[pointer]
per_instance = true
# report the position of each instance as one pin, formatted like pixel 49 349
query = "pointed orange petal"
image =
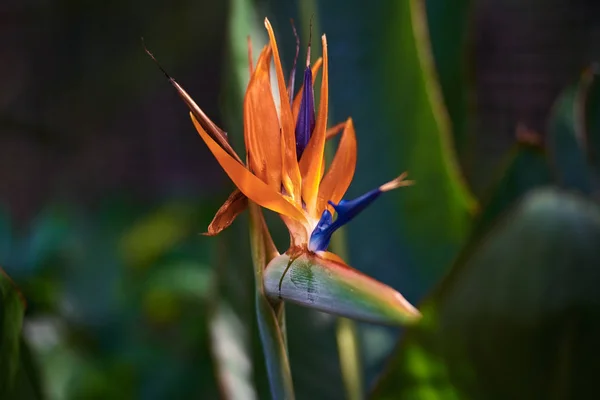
pixel 291 173
pixel 298 99
pixel 311 163
pixel 235 204
pixel 261 125
pixel 337 179
pixel 249 184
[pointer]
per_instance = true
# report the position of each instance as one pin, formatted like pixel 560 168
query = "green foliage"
pixel 449 25
pixel 12 308
pixel 567 141
pixel 517 314
pixel 517 317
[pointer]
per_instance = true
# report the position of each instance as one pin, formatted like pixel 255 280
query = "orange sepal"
pixel 261 125
pixel 312 163
pixel 291 173
pixel 249 184
pixel 339 175
pixel 235 204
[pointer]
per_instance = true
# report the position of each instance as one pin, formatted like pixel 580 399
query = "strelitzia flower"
pixel 285 172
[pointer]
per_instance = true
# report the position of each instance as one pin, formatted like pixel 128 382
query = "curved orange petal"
pixel 250 185
pixel 261 125
pixel 339 175
pixel 311 163
pixel 291 173
pixel 235 204
pixel 298 99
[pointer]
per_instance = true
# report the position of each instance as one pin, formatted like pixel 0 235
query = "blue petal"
pixel 320 237
pixel 306 115
pixel 346 210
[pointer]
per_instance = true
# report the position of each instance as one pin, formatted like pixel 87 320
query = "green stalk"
pixel 269 320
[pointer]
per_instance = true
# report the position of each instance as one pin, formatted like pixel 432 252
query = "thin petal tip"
pixel 396 183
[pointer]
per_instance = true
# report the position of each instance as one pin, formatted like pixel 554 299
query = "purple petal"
pixel 306 115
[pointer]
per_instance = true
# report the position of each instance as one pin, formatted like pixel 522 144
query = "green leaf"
pixel 12 309
pixel 526 169
pixel 592 117
pixel 382 74
pixel 567 141
pixel 156 233
pixel 449 26
pixel 519 317
pixel 28 383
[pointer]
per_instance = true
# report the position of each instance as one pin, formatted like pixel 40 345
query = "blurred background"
pixel 105 186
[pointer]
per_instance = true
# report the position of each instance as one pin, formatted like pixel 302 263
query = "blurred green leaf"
pixel 120 322
pixel 384 51
pixel 449 25
pixel 382 74
pixel 48 233
pixel 12 309
pixel 28 382
pixel 5 237
pixel 156 233
pixel 437 212
pixel 592 116
pixel 519 318
pixel 566 139
pixel 526 169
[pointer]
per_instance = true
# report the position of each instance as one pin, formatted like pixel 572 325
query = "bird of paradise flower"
pixel 285 173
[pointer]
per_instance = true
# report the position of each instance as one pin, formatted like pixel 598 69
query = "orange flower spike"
pixel 306 198
pixel 291 173
pixel 261 125
pixel 311 163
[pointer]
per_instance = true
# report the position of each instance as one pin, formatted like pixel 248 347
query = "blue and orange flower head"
pixel 285 167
